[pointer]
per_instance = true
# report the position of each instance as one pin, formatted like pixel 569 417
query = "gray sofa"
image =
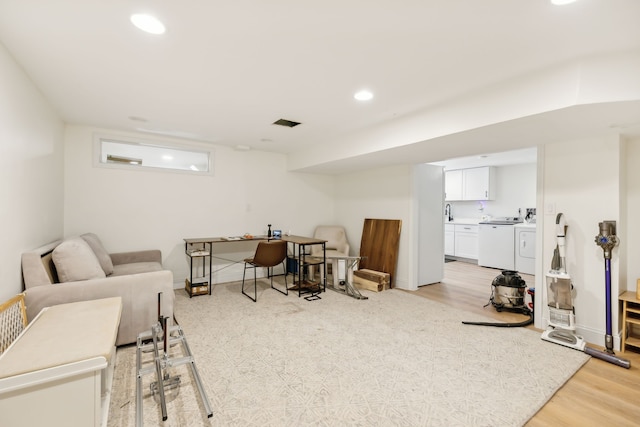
pixel 79 269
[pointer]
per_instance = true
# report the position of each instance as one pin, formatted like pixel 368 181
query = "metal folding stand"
pixel 349 289
pixel 159 339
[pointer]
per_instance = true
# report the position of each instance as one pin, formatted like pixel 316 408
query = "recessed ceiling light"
pixel 363 95
pixel 148 23
pixel 561 2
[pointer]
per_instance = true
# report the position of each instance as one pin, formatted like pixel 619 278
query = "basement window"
pixel 130 154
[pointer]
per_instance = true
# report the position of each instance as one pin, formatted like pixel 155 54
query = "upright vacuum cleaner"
pixel 559 296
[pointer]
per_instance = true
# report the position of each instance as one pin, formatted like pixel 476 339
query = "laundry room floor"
pixel 600 393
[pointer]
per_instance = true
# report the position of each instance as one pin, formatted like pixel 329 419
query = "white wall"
pixel 31 171
pixel 515 188
pixel 582 179
pixel 632 215
pixel 383 193
pixel 426 257
pixel 141 209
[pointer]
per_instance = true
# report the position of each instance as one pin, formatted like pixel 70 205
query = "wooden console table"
pixel 59 369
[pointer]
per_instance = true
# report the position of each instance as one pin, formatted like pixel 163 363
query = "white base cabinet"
pixel 466 241
pixel 449 240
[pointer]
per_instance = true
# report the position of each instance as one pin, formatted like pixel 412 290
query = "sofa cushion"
pixel 103 256
pixel 74 260
pixel 135 268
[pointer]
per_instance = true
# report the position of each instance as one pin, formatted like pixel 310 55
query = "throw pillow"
pixel 74 260
pixel 103 256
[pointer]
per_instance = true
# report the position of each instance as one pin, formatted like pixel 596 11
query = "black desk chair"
pixel 268 254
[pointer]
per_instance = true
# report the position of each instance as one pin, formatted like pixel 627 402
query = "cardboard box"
pixel 196 288
pixel 370 280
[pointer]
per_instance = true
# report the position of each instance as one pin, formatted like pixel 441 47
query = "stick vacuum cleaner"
pixel 559 296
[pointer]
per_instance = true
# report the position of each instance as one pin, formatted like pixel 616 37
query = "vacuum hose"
pixel 523 310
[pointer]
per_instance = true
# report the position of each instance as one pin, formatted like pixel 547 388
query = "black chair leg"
pixel 286 288
pixel 255 289
pixel 254 298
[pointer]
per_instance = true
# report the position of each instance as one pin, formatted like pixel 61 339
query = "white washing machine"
pixel 525 248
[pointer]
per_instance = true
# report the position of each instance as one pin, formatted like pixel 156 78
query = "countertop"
pixel 463 221
pixel 476 221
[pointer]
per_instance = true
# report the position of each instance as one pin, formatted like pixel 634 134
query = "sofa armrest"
pixel 139 294
pixel 152 255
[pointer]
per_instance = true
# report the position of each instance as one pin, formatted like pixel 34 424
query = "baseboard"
pixel 229 273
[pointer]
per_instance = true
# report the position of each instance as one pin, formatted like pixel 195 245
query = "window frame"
pixel 99 157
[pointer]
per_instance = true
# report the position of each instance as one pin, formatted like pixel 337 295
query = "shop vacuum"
pixel 560 299
pixel 507 294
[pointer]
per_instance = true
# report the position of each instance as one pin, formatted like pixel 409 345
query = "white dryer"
pixel 525 248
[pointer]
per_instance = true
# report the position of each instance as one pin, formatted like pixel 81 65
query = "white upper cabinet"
pixel 470 184
pixel 477 184
pixel 453 185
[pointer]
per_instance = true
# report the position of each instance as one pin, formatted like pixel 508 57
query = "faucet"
pixel 447 212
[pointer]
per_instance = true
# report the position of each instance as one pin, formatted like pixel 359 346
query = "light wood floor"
pixel 599 394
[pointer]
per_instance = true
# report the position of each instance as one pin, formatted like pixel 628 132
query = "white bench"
pixel 59 370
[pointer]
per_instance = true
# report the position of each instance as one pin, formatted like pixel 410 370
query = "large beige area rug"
pixel 393 360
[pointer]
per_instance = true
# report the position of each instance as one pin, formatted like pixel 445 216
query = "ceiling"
pixel 512 157
pixel 225 71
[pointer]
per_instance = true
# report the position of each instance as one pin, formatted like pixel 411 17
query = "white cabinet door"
pixel 453 185
pixel 477 184
pixel 449 240
pixel 469 184
pixel 466 241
